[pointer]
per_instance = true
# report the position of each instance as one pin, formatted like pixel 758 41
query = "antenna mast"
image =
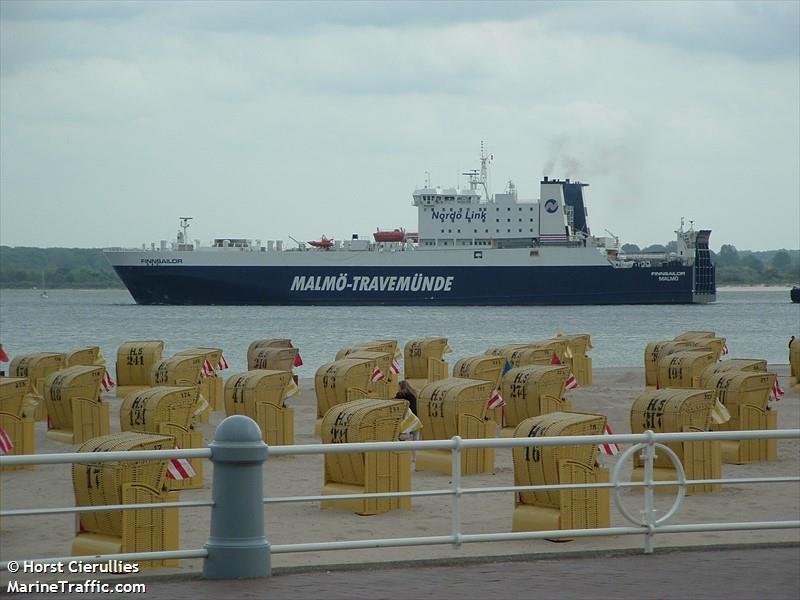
pixel 185 226
pixel 480 178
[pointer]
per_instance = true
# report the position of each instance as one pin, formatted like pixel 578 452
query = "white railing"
pixel 648 525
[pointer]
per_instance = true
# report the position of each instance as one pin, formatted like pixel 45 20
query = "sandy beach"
pixel 612 394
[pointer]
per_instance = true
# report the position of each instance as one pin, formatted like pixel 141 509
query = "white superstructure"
pixel 453 217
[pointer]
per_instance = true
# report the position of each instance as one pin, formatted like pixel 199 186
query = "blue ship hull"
pixel 406 286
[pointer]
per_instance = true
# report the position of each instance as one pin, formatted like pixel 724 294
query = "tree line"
pixel 777 266
pixel 52 268
pixel 22 267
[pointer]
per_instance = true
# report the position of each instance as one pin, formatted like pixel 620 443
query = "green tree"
pixel 753 263
pixel 22 267
pixel 728 255
pixel 781 261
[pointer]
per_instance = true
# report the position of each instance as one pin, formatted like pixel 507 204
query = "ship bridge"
pixel 452 217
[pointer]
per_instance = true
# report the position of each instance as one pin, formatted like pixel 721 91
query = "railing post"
pixel 456 486
pixel 237 546
pixel 649 500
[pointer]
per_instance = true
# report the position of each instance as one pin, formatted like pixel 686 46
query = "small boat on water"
pixel 43 293
pixel 794 294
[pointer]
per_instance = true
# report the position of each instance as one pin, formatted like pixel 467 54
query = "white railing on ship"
pixel 656 256
pixel 648 525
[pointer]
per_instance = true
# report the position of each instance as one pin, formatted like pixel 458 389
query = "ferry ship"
pixel 471 248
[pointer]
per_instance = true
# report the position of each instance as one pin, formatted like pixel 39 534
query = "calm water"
pixel 756 322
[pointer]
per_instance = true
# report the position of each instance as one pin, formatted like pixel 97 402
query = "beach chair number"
pixel 55 388
pixel 93 477
pixel 329 379
pixel 518 388
pixel 435 408
pixel 136 357
pixel 238 390
pixel 137 412
pixel 534 453
pixel 654 414
pixel 339 429
pixel 162 374
pixel 675 370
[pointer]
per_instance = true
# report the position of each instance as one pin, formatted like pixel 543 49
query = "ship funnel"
pixel 573 197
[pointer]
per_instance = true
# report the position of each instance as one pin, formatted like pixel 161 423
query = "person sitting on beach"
pixel 411 425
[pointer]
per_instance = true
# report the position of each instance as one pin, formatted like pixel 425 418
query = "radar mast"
pixel 185 226
pixel 480 178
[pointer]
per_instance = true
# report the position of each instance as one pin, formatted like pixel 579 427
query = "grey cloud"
pixel 753 30
pixel 277 16
pixel 749 30
pixel 57 10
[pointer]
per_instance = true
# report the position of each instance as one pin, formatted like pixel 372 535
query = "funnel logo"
pixel 551 205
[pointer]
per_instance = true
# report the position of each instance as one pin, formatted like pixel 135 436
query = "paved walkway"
pixel 746 573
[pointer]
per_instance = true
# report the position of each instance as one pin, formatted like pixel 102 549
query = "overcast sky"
pixel 265 120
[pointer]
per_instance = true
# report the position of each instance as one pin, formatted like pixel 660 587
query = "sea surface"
pixel 757 323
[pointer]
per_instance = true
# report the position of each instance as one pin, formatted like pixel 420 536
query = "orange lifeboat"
pixel 395 235
pixel 324 243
